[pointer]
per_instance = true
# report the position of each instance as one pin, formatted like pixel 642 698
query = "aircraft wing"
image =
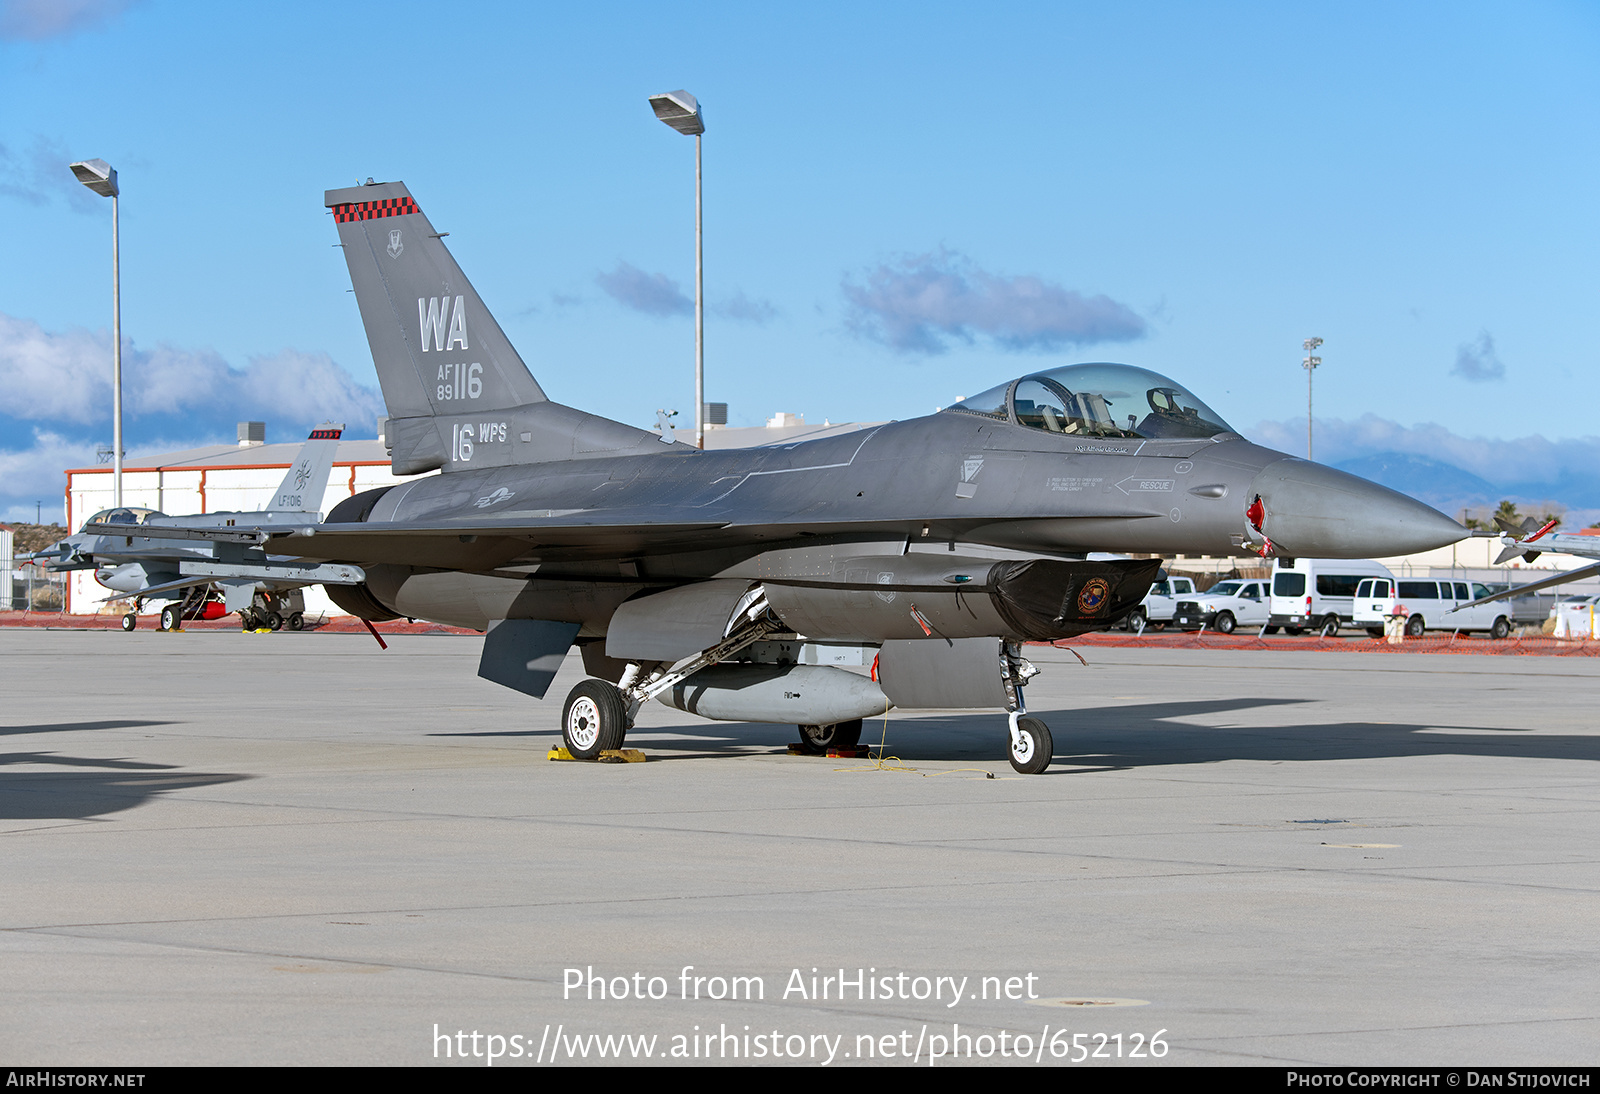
pixel 485 544
pixel 1534 586
pixel 219 534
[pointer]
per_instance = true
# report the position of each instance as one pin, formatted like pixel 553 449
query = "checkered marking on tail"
pixel 372 210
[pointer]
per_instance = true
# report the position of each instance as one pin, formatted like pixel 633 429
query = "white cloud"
pixel 37 471
pixel 66 377
pixel 741 308
pixel 36 20
pixel 1477 360
pixel 922 303
pixel 653 294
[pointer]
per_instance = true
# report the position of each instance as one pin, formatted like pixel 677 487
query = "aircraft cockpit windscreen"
pixel 1100 400
pixel 125 515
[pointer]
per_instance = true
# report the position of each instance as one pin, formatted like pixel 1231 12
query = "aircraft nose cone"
pixel 1312 511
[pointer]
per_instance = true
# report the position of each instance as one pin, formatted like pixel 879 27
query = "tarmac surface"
pixel 227 848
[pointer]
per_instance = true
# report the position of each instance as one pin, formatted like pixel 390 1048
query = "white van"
pixel 1430 605
pixel 1317 593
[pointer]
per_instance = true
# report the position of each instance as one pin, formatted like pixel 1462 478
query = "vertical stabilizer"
pixel 459 397
pixel 437 349
pixel 303 487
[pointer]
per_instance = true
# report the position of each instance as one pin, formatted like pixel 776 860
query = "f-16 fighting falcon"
pixel 736 584
pixel 141 554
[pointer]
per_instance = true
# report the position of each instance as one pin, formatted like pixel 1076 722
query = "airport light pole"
pixel 681 111
pixel 101 177
pixel 1309 364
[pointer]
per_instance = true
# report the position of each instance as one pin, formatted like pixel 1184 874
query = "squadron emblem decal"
pixel 395 246
pixel 1094 595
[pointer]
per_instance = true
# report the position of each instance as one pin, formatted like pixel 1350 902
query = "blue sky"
pixel 905 204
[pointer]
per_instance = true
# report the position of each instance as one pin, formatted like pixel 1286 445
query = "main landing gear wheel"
pixel 594 720
pixel 1415 626
pixel 1226 622
pixel 130 621
pixel 170 618
pixel 1032 751
pixel 1330 626
pixel 816 740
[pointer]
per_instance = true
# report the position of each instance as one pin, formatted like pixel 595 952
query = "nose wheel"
pixel 1031 746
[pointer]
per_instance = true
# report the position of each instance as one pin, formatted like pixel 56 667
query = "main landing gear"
pixel 595 719
pixel 817 740
pixel 274 611
pixel 598 715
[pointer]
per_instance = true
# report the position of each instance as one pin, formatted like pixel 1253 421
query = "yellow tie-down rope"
pixel 896 764
pixel 878 763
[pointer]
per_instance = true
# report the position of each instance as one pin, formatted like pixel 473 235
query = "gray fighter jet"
pixel 738 584
pixel 142 554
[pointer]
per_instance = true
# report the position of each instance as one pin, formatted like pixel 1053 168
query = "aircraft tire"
pixel 816 740
pixel 1225 623
pixel 1034 750
pixel 1415 626
pixel 594 719
pixel 130 621
pixel 170 619
pixel 1501 628
pixel 1330 626
pixel 297 622
pixel 274 621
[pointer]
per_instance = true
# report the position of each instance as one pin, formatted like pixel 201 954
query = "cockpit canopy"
pixel 1099 400
pixel 125 515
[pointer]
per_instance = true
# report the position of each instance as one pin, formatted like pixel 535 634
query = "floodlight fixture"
pixel 97 175
pixel 680 110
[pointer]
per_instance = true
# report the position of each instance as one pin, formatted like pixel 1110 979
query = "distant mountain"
pixel 1442 485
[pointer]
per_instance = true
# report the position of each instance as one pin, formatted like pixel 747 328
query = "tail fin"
pixel 307 481
pixel 457 392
